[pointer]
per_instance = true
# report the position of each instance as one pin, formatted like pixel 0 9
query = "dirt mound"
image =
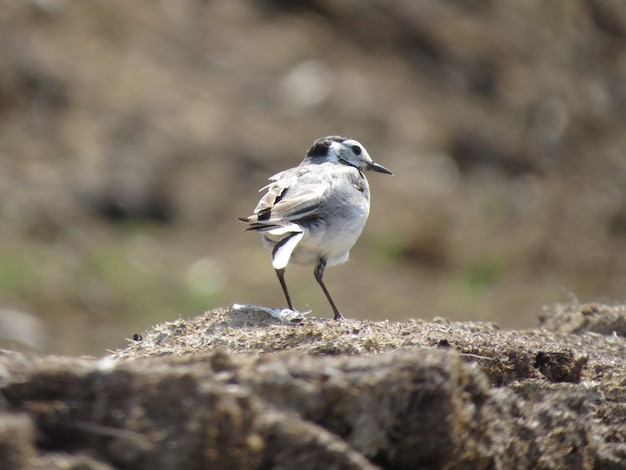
pixel 213 392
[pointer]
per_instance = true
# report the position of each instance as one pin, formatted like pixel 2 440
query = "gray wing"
pixel 289 198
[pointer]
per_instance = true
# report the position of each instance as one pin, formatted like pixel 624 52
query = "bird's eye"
pixel 356 149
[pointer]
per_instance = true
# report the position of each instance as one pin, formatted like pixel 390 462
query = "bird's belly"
pixel 332 242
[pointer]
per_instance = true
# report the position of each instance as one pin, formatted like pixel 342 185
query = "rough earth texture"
pixel 239 389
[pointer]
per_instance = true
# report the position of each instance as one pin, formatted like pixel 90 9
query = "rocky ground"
pixel 240 389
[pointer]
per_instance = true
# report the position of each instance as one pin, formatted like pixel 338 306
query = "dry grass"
pixel 240 389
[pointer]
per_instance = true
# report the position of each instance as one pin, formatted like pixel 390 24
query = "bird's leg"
pixel 319 273
pixel 280 273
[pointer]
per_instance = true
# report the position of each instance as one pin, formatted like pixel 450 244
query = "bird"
pixel 315 212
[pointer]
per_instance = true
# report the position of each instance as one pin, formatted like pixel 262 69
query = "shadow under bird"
pixel 315 212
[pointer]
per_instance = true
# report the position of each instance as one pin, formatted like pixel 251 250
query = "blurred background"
pixel 133 134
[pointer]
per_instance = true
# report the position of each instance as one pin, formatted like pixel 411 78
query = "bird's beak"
pixel 378 168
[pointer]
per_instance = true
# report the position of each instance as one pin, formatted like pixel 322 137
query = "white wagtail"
pixel 315 212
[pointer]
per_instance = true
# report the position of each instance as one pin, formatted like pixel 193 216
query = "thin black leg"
pixel 281 278
pixel 319 273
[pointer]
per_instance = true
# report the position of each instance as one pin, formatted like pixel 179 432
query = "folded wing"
pixel 283 205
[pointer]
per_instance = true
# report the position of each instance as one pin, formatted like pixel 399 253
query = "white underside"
pixel 308 247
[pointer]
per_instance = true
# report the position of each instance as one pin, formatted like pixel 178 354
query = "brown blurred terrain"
pixel 132 135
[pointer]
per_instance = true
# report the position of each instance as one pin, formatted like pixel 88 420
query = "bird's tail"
pixel 283 250
pixel 253 225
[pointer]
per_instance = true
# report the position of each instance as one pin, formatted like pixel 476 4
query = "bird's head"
pixel 344 151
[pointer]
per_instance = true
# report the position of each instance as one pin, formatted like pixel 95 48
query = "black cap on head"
pixel 320 146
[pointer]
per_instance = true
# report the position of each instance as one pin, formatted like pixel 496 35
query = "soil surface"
pixel 240 389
